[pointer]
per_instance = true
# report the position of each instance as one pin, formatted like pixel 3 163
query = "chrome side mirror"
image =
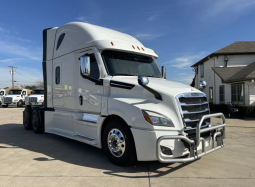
pixel 143 80
pixel 163 72
pixel 85 65
pixel 202 84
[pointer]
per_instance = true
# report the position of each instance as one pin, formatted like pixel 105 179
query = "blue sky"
pixel 180 31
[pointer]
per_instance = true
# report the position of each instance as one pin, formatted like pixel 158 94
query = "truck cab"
pixel 14 97
pixel 104 88
pixel 2 93
pixel 36 98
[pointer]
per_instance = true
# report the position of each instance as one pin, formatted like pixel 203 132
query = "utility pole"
pixel 12 73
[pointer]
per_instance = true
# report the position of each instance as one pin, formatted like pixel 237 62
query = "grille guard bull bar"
pixel 219 134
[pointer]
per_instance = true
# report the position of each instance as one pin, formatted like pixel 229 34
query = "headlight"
pixel 157 119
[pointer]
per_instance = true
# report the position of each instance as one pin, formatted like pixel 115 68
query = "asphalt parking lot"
pixel 28 159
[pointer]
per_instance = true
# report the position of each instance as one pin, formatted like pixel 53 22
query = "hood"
pixel 12 96
pixel 160 85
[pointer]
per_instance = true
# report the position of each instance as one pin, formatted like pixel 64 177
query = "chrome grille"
pixel 192 107
pixel 8 100
pixel 33 99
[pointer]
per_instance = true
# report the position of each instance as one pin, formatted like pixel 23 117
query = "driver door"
pixel 89 92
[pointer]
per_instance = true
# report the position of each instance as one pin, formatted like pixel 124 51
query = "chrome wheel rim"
pixel 116 142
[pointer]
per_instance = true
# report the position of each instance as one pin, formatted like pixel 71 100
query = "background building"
pixel 229 73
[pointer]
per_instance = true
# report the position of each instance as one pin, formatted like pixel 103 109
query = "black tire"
pixel 129 155
pixel 37 122
pixel 4 106
pixel 20 103
pixel 27 113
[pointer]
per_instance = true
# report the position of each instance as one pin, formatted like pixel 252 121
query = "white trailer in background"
pixel 36 98
pixel 2 93
pixel 14 97
pixel 104 88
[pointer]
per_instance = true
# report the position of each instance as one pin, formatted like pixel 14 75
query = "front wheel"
pixel 20 103
pixel 118 143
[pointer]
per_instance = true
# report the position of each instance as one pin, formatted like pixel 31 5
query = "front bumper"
pixel 34 103
pixel 218 136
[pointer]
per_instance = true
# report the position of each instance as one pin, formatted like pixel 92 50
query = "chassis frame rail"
pixel 218 136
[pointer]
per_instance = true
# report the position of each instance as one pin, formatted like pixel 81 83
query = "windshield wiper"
pixel 123 74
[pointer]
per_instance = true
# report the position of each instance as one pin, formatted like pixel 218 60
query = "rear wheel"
pixel 37 121
pixel 118 143
pixel 27 113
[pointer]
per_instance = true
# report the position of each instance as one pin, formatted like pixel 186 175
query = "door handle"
pixel 81 100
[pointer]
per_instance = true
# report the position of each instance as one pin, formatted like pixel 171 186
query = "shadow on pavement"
pixel 74 152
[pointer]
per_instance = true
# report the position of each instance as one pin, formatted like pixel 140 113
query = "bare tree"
pixel 39 83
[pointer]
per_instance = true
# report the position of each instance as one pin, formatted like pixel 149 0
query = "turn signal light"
pixel 147 117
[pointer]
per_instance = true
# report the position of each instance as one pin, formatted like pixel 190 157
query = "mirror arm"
pixel 154 92
pixel 96 81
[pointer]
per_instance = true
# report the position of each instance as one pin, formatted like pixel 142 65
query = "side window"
pixel 202 70
pixel 222 94
pixel 60 39
pixel 94 70
pixel 57 75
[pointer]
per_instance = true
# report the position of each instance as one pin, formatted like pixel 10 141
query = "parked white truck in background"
pixel 14 97
pixel 119 100
pixel 36 98
pixel 2 93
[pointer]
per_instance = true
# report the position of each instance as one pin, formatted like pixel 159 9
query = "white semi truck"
pixel 2 93
pixel 36 98
pixel 119 100
pixel 14 97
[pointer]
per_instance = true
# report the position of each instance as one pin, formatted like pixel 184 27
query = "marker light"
pixel 142 49
pixel 147 117
pixel 112 43
pixel 138 48
pixel 133 46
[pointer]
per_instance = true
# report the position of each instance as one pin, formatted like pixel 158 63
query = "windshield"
pixel 37 92
pixel 2 93
pixel 14 92
pixel 122 63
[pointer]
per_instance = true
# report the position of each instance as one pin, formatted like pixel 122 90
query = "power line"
pixel 25 76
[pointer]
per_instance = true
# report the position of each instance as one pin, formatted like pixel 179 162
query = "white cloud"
pixel 82 18
pixel 2 30
pixel 147 36
pixel 153 17
pixel 7 47
pixel 227 6
pixel 11 60
pixel 184 78
pixel 185 61
pixel 17 38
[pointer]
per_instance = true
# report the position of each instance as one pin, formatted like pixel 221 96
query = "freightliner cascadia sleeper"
pixel 104 88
